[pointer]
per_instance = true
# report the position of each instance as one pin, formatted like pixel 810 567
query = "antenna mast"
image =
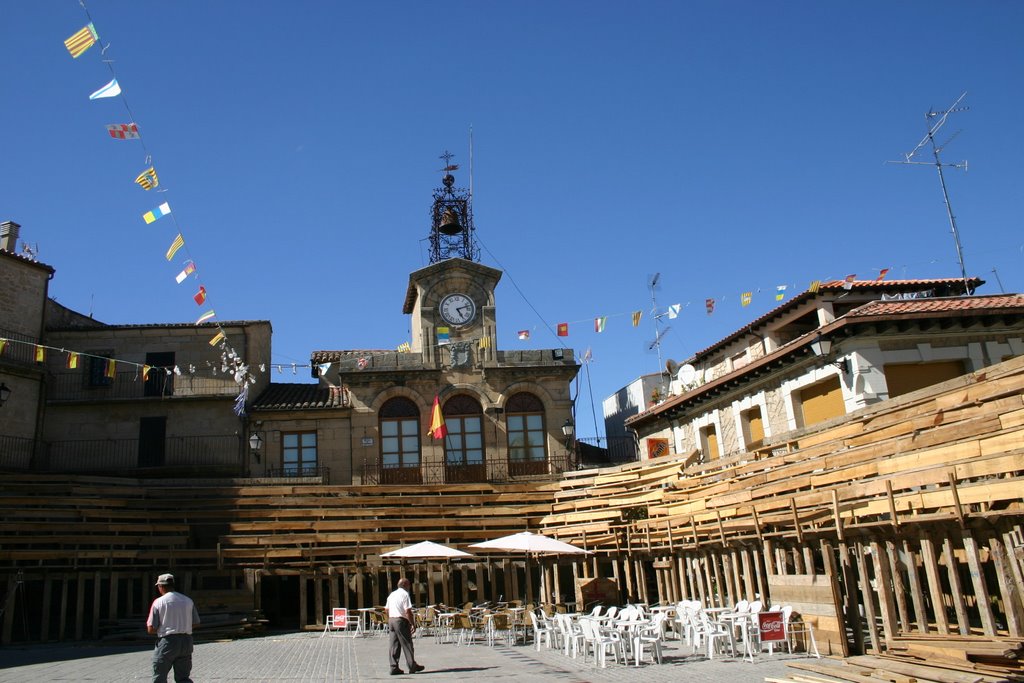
pixel 658 332
pixel 929 138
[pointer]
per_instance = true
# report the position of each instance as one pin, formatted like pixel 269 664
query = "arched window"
pixel 400 442
pixel 464 445
pixel 527 437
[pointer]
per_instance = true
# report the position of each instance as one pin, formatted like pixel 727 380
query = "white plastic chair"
pixel 541 631
pixel 651 635
pixel 600 641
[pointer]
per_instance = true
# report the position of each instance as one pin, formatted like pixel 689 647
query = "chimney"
pixel 8 236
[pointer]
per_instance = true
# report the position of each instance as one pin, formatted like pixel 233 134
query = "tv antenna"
pixel 652 284
pixel 937 120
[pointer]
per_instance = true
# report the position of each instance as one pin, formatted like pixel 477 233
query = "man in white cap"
pixel 171 618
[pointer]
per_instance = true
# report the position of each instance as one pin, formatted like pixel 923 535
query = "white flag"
pixel 673 310
pixel 111 89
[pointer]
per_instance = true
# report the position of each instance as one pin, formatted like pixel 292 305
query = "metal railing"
pixel 16 452
pixel 119 455
pixel 607 450
pixel 21 353
pixel 321 472
pixel 128 384
pixel 488 471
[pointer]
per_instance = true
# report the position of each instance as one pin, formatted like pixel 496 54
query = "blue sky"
pixel 729 146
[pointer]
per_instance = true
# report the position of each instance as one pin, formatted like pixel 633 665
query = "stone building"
pixel 367 421
pixel 826 354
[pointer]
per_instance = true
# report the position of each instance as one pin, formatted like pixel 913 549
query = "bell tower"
pixel 451 219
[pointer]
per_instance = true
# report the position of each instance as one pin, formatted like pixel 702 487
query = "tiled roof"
pixel 27 260
pixel 301 397
pixel 839 285
pixel 143 326
pixel 925 308
pixel 335 356
pixel 989 304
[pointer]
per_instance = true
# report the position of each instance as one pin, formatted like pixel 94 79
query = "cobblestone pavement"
pixel 307 657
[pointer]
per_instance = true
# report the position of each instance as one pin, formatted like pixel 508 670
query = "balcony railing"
pixel 490 471
pixel 321 473
pixel 15 352
pixel 118 455
pixel 128 384
pixel 16 452
pixel 610 450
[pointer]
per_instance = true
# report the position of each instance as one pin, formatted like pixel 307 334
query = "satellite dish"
pixel 671 367
pixel 687 373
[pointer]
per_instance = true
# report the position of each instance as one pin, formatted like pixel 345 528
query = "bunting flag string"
pixel 148 179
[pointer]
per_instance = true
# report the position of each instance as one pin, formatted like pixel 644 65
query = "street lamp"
pixel 822 347
pixel 568 431
pixel 5 393
pixel 255 442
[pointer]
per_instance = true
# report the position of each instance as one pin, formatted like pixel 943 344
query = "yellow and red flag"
pixel 438 429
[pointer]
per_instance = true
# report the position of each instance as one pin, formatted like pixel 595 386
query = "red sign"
pixel 339 616
pixel 657 447
pixel 773 628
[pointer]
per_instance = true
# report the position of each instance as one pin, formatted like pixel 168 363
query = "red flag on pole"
pixel 438 429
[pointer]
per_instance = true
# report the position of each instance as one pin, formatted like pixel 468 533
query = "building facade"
pixel 826 354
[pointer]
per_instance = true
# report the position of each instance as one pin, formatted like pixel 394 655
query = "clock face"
pixel 457 309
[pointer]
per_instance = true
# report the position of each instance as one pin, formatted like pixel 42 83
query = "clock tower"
pixel 452 300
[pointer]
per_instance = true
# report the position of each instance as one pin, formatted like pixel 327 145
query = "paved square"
pixel 308 657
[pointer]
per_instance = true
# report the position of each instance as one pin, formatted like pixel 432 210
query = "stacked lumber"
pixel 898 669
pixel 939 454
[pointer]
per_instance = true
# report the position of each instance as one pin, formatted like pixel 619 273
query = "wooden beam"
pixel 981 594
pixel 867 598
pixel 956 591
pixel 931 571
pixel 1009 591
pixel 883 584
pixel 840 534
pixel 796 521
pixel 956 501
pixel 916 594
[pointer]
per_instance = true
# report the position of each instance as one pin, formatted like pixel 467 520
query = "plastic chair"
pixel 600 642
pixel 541 631
pixel 651 635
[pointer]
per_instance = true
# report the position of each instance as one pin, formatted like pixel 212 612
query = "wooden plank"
pixel 1008 589
pixel 892 555
pixel 867 598
pixel 955 587
pixel 981 594
pixel 909 561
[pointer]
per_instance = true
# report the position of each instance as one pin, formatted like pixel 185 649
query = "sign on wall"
pixel 657 447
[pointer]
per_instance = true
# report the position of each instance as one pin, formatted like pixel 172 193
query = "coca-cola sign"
pixel 772 626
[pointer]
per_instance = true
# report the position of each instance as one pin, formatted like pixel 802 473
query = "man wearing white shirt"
pixel 403 624
pixel 171 617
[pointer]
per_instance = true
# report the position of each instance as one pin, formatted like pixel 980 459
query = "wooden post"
pixel 916 594
pixel 867 597
pixel 769 556
pixel 720 587
pixel 796 524
pixel 1008 588
pixel 44 627
pixel 897 583
pixel 80 608
pixel 956 501
pixel 931 572
pixel 851 605
pixel 750 587
pixel 956 590
pixel 303 617
pixel 892 504
pixel 318 598
pixel 884 586
pixel 840 533
pixel 981 594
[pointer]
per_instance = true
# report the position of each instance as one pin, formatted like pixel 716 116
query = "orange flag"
pixel 438 429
